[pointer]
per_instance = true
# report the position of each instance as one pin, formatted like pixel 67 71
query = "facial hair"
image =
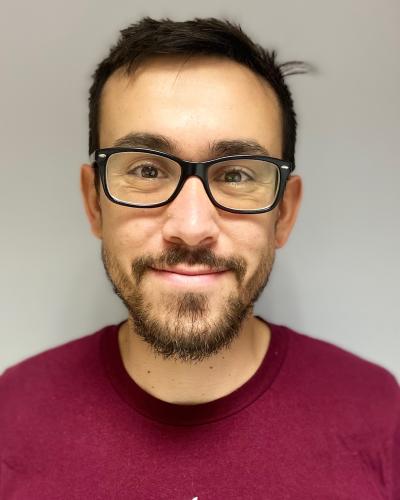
pixel 185 332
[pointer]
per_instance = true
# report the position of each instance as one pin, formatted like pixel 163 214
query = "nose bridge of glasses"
pixel 193 169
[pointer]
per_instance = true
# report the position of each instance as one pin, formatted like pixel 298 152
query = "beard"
pixel 182 325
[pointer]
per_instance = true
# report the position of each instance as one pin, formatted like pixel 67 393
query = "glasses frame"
pixel 100 157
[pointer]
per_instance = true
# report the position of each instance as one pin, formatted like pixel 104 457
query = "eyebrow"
pixel 216 148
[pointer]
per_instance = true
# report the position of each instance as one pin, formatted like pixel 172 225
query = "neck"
pixel 178 382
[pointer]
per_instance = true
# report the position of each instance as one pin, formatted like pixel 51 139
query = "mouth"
pixel 182 275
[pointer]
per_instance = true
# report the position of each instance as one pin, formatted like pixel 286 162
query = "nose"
pixel 191 218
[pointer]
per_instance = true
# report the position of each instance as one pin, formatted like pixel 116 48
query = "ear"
pixel 91 199
pixel 288 209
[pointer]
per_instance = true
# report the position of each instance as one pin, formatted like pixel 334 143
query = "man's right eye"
pixel 146 171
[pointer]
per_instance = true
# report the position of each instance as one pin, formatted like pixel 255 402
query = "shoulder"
pixel 42 394
pixel 342 379
pixel 337 362
pixel 51 369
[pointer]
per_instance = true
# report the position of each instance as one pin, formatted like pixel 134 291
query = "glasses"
pixel 145 178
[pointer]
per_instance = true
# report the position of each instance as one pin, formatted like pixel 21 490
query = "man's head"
pixel 197 90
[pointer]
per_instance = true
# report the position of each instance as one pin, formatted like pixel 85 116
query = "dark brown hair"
pixel 149 37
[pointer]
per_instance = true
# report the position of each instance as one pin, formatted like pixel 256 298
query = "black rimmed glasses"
pixel 146 178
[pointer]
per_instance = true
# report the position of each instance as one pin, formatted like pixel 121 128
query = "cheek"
pixel 128 235
pixel 254 232
pixel 253 240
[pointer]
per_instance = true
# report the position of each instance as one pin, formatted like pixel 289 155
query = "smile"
pixel 189 276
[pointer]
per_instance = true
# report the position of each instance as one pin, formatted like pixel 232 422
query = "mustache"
pixel 189 256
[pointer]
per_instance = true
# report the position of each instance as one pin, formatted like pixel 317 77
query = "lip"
pixel 189 271
pixel 188 276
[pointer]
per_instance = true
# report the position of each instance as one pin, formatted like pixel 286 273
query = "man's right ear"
pixel 91 199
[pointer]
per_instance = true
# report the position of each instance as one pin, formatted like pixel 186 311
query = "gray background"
pixel 337 279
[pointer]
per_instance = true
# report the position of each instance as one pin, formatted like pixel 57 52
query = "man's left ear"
pixel 288 209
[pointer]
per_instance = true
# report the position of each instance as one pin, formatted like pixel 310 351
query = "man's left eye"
pixel 236 176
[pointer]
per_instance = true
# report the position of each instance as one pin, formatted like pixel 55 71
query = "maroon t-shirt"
pixel 314 422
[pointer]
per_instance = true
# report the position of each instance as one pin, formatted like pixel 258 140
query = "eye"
pixel 235 176
pixel 146 171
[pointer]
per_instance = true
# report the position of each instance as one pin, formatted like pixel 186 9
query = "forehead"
pixel 193 101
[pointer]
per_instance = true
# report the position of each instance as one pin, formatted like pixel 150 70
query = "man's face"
pixel 194 104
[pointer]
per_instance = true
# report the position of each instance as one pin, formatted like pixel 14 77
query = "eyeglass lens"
pixel 145 179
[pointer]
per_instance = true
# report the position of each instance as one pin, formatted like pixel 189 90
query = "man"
pixel 191 190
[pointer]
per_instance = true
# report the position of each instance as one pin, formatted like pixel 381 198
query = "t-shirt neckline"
pixel 203 413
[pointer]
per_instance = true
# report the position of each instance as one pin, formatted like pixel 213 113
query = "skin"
pixel 192 102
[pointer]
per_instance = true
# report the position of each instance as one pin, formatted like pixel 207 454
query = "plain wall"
pixel 338 277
